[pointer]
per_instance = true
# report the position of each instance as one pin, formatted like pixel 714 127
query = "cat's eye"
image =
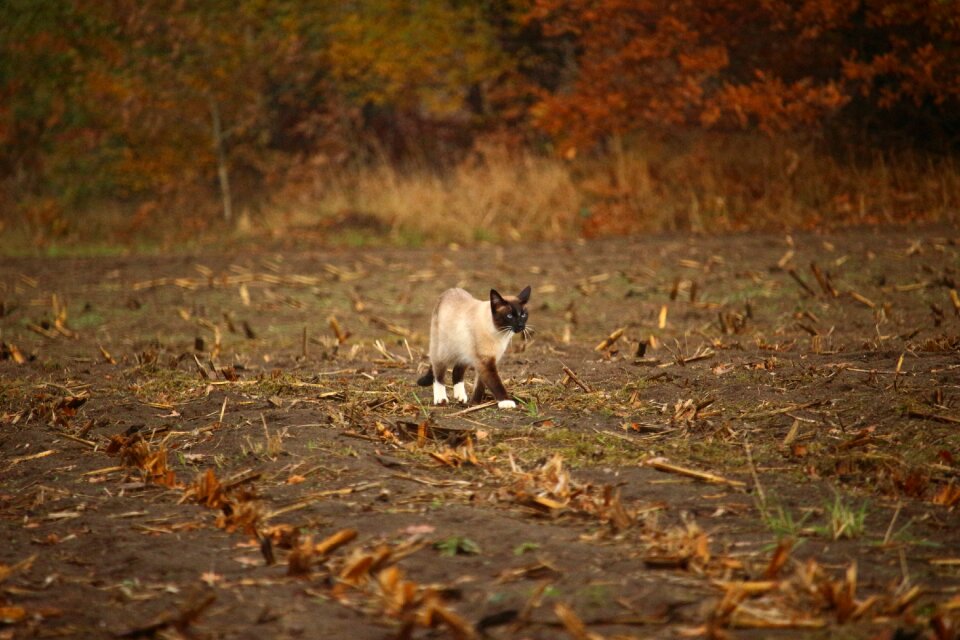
pixel 509 316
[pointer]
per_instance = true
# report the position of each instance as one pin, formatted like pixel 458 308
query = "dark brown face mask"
pixel 509 313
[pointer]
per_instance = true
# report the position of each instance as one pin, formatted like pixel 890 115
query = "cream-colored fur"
pixel 468 333
pixel 463 334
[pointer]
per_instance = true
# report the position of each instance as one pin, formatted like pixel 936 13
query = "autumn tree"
pixel 46 126
pixel 195 92
pixel 772 65
pixel 148 101
pixel 413 66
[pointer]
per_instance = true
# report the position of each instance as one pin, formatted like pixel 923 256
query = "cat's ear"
pixel 524 296
pixel 496 300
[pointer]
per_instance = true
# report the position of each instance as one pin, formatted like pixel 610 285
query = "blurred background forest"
pixel 159 122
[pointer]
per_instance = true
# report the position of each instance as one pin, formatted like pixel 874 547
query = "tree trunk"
pixel 222 172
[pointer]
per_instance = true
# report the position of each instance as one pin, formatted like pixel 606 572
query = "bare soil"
pixel 232 445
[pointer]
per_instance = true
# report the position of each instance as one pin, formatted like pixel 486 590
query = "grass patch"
pixel 457 545
pixel 583 448
pixel 525 547
pixel 162 385
pixel 843 520
pixel 530 407
pixel 780 520
pixel 87 320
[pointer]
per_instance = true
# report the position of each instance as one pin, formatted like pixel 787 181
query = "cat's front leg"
pixel 439 391
pixel 459 388
pixel 487 373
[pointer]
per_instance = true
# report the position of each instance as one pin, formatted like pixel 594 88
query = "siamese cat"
pixel 466 332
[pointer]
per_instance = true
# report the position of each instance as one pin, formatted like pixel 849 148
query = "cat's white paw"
pixel 506 404
pixel 439 393
pixel 460 392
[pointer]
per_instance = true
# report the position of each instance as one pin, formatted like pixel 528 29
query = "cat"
pixel 466 332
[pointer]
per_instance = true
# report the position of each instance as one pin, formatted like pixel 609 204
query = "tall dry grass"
pixel 491 196
pixel 708 183
pixel 702 183
pixel 735 182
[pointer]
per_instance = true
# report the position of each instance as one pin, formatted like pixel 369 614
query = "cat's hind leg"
pixel 439 391
pixel 459 388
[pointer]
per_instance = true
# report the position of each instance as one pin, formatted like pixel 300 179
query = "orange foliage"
pixel 640 64
pixel 773 65
pixel 157 100
pixel 137 453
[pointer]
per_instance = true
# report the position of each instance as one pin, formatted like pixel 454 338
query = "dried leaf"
pixel 620 519
pixel 109 359
pixel 332 543
pixel 779 558
pixel 206 490
pixel 948 495
pixel 12 614
pixel 243 516
pixel 210 578
pixel 607 342
pixel 573 624
pixel 460 628
pixel 338 331
pixel 284 536
pixel 10 350
pixel 300 561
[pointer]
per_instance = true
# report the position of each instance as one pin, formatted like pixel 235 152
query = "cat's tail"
pixel 426 379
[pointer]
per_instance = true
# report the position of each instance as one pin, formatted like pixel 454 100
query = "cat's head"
pixel 509 312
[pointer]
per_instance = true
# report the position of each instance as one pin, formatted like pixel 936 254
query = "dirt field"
pixel 232 445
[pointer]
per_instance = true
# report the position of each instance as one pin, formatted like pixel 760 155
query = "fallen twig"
pixel 867 302
pixel 32 456
pixel 610 339
pixel 776 412
pixel 576 379
pixel 86 443
pixel 104 470
pixel 823 281
pixel 313 497
pixel 476 407
pixel 937 417
pixel 753 474
pixel 660 464
pixel 793 274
